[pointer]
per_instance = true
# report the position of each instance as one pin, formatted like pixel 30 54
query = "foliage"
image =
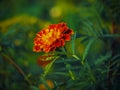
pixel 91 60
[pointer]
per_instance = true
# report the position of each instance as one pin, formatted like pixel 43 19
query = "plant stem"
pixel 11 61
pixel 76 57
pixel 48 67
pixel 68 66
pixel 70 72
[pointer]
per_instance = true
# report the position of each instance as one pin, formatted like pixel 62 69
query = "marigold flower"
pixel 52 37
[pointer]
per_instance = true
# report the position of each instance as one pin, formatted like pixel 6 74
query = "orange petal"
pixel 52 48
pixel 44 60
pixel 46 49
pixel 37 41
pixel 43 63
pixel 49 83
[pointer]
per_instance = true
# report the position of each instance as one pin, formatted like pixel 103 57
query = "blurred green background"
pixel 20 20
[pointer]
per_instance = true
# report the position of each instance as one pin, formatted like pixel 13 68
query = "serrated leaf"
pixel 102 59
pixel 91 30
pixel 115 59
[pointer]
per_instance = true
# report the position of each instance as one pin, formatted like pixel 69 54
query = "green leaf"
pixel 76 57
pixel 85 39
pixel 115 60
pixel 73 43
pixel 60 73
pixel 115 57
pixel 104 58
pixel 0 48
pixel 34 88
pixel 68 67
pixel 111 35
pixel 87 49
pixel 90 72
pixel 91 30
pixel 48 67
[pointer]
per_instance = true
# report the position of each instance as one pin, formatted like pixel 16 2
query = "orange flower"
pixel 52 37
pixel 49 83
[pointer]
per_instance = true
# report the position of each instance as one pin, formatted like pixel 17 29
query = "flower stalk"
pixel 11 61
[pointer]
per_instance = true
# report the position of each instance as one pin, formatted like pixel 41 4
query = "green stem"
pixel 76 57
pixel 48 67
pixel 91 73
pixel 70 72
pixel 68 67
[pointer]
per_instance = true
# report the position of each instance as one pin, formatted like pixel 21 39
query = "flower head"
pixel 52 37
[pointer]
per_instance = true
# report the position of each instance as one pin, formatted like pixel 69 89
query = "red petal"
pixel 60 32
pixel 57 43
pixel 67 37
pixel 62 42
pixel 36 49
pixel 53 49
pixel 52 26
pixel 69 31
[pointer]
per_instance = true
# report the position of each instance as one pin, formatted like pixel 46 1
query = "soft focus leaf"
pixel 87 49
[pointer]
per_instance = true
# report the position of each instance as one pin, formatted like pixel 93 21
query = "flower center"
pixel 50 36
